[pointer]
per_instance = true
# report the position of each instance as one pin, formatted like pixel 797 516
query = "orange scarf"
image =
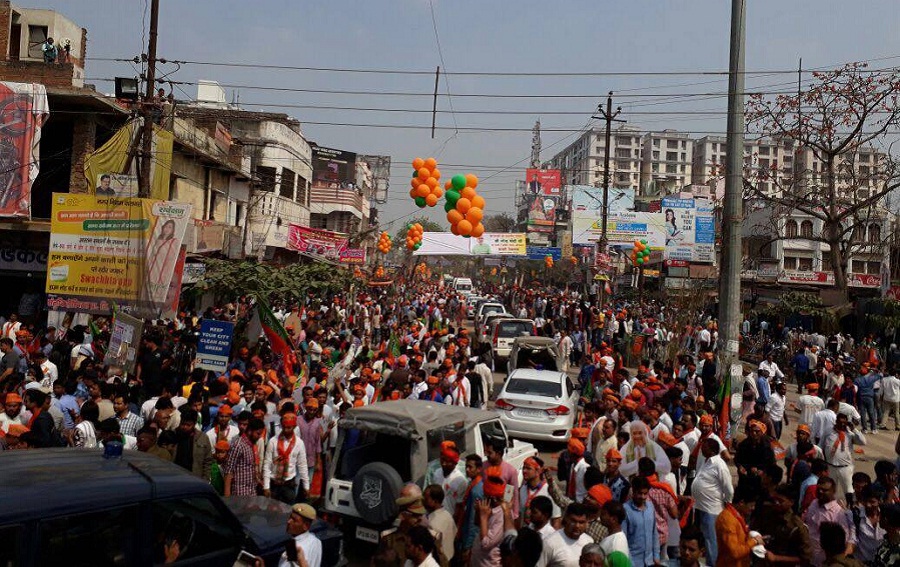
pixel 284 455
pixel 655 483
pixel 34 417
pixel 839 442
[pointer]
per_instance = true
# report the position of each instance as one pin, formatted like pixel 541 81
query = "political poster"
pixel 123 342
pixel 542 210
pixel 24 109
pixel 543 181
pixel 114 249
pixel 116 185
pixel 355 256
pixel 214 345
pixel 541 252
pixel 112 158
pixel 333 169
pixel 498 244
pixel 690 229
pixel 317 243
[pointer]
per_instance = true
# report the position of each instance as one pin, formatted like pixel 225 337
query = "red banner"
pixel 23 109
pixel 320 244
pixel 543 181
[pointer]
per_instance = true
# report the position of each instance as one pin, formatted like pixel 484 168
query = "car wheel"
pixel 376 487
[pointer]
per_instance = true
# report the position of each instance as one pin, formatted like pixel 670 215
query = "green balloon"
pixel 458 181
pixel 467 236
pixel 640 260
pixel 448 206
pixel 645 252
pixel 415 173
pixel 417 245
pixel 452 197
pixel 420 202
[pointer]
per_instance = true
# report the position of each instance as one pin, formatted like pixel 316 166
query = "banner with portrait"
pixel 23 111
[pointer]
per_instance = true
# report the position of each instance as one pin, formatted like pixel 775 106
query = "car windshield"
pixel 540 359
pixel 492 309
pixel 534 387
pixel 515 328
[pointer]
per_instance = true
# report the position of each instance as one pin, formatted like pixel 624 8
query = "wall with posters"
pixel 316 243
pixel 623 227
pixel 114 249
pixel 588 201
pixel 690 229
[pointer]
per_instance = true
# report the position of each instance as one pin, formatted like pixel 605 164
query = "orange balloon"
pixel 465 227
pixel 437 192
pixel 430 163
pixel 454 228
pixel 414 182
pixel 454 216
pixel 418 163
pixel 468 193
pixel 463 205
pixel 471 180
pixel 447 186
pixel 423 190
pixel 474 215
pixel 478 201
pixel 418 226
pixel 478 230
pixel 432 182
pixel 436 173
pixel 413 194
pixel 431 199
pixel 424 173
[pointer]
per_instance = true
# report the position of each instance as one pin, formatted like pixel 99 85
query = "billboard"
pixel 110 184
pixel 214 346
pixel 690 230
pixel 114 249
pixel 623 227
pixel 542 211
pixel 541 252
pixel 24 109
pixel 333 169
pixel 112 159
pixel 543 181
pixel 316 243
pixel 498 244
pixel 587 199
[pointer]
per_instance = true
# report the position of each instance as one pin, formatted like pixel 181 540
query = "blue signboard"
pixel 214 347
pixel 541 252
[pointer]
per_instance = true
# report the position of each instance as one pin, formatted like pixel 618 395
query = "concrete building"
pixel 22 33
pixel 708 159
pixel 666 163
pixel 583 161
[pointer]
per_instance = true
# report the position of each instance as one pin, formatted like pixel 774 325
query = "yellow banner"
pixel 105 167
pixel 114 248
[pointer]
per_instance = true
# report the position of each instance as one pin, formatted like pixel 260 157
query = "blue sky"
pixel 483 36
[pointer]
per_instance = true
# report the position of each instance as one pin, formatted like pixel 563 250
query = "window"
pixel 859 234
pixel 873 268
pixel 858 267
pixel 655 155
pixel 37 35
pixel 683 144
pixel 672 144
pixel 656 143
pixel 655 167
pixel 804 264
pixel 600 150
pixel 790 229
pixel 806 229
pixel 826 264
pixel 302 191
pixel 790 263
pixel 108 537
pixel 623 153
pixel 683 156
pixel 671 156
pixel 539 388
pixel 198 526
pixel 288 180
pixel 874 233
pixel 266 178
pixel 763 151
pixel 671 168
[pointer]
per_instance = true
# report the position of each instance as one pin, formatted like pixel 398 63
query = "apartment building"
pixel 583 162
pixel 666 163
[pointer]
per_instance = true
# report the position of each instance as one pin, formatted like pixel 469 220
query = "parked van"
pixel 463 285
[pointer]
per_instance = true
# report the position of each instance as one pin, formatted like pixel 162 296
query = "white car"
pixel 502 332
pixel 471 302
pixel 538 404
pixel 485 309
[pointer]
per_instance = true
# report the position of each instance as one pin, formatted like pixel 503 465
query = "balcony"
pixel 324 201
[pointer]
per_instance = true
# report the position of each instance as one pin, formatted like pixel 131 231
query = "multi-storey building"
pixel 666 163
pixel 583 161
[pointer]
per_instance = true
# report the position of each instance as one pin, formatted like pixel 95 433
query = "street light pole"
pixel 609 117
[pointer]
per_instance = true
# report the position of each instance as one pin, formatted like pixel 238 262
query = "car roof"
pixel 38 483
pixel 515 319
pixel 539 375
pixel 411 418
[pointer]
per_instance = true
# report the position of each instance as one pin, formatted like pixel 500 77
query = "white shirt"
pixel 562 551
pixel 712 487
pixel 581 467
pixel 10 330
pixel 525 491
pixel 545 531
pixel 809 406
pixel 297 463
pixel 841 454
pixel 615 542
pixel 772 367
pixel 442 522
pixel 776 407
pixel 890 385
pixel 430 561
pixel 231 433
pixel 454 486
pixel 703 336
pixel 823 424
pixel 311 548
pixel 51 373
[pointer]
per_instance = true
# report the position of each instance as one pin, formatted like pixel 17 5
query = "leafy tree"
pixel 501 222
pixel 228 279
pixel 840 113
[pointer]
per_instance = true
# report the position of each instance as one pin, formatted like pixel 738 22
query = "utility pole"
pixel 146 108
pixel 732 214
pixel 609 117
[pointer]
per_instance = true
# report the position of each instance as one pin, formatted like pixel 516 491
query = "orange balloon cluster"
pixel 574 260
pixel 384 243
pixel 414 236
pixel 465 207
pixel 357 273
pixel 379 272
pixel 426 182
pixel 548 261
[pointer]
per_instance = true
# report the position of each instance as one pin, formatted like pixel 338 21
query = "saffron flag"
pixel 277 336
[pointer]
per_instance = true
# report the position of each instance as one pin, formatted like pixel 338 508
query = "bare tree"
pixel 839 115
pixel 502 222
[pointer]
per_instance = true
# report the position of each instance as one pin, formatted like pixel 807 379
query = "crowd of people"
pixel 653 472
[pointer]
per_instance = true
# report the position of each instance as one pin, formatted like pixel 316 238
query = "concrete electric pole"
pixel 609 117
pixel 732 213
pixel 149 103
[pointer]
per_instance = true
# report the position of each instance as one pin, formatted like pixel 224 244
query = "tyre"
pixel 376 487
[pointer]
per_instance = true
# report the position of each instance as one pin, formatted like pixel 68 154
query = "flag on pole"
pixel 277 336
